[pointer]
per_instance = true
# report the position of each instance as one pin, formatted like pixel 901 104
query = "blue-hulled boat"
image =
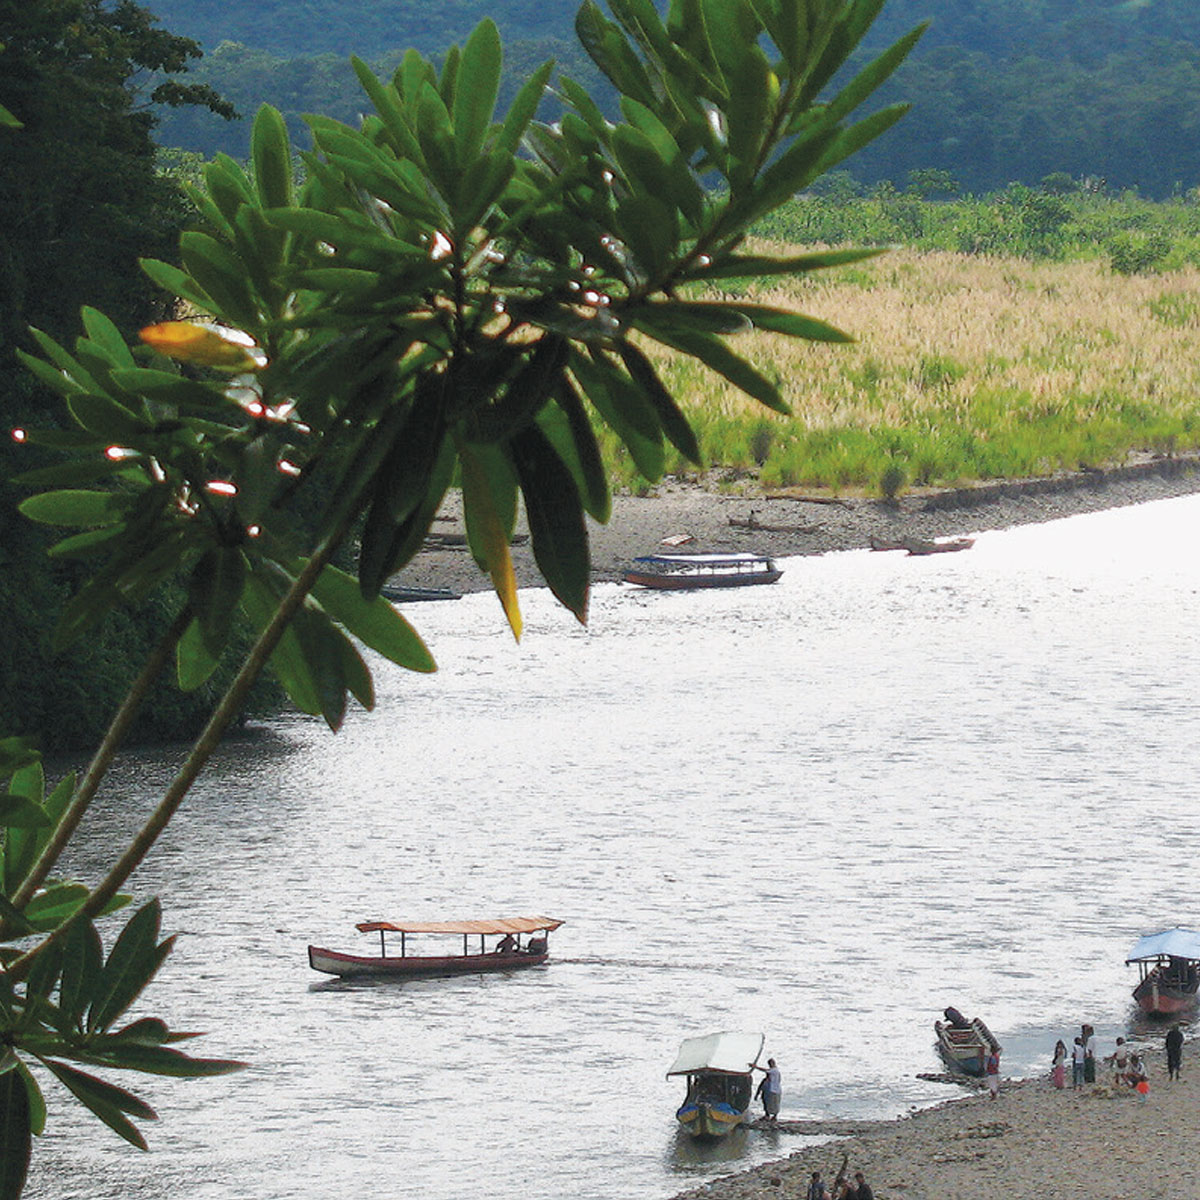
pixel 720 1087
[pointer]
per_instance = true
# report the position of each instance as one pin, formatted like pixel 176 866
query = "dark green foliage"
pixel 1003 90
pixel 82 201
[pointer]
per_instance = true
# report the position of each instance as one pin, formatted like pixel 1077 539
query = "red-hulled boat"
pixel 688 572
pixel 507 954
pixel 1169 966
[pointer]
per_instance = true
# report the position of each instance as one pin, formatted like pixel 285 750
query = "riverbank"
pixel 1102 1143
pixel 719 513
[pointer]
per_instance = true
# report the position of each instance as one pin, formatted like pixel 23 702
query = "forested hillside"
pixel 1003 90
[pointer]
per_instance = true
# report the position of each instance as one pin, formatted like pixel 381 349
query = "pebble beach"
pixel 726 513
pixel 1100 1143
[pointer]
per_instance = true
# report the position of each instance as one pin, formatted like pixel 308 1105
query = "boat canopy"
pixel 503 925
pixel 1171 943
pixel 725 1053
pixel 704 560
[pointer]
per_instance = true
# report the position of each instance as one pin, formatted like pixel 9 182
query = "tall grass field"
pixel 965 367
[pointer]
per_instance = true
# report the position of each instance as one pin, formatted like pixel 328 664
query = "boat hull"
pixel 1163 1000
pixel 333 962
pixel 965 1049
pixel 709 1120
pixel 691 583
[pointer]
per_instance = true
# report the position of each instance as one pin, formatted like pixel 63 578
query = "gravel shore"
pixel 724 514
pixel 1034 1142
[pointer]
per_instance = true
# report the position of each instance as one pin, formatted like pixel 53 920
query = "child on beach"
pixel 1058 1071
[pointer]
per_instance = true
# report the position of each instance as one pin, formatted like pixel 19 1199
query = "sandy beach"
pixel 1101 1143
pixel 719 512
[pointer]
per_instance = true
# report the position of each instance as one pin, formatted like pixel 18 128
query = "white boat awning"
pixel 1171 943
pixel 731 1053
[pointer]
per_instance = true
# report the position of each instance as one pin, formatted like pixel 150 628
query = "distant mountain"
pixel 1002 90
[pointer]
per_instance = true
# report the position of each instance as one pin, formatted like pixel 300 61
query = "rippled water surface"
pixel 823 810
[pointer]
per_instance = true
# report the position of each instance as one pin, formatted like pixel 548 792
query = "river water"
pixel 822 810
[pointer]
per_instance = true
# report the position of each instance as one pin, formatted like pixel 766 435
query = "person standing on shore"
pixel 1089 1054
pixel 863 1189
pixel 1174 1051
pixel 770 1090
pixel 1058 1070
pixel 1078 1057
pixel 816 1188
pixel 1120 1061
pixel 991 1070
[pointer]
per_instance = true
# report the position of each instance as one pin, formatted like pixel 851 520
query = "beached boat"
pixel 508 954
pixel 964 1044
pixel 1169 971
pixel 686 572
pixel 399 593
pixel 922 546
pixel 719 1081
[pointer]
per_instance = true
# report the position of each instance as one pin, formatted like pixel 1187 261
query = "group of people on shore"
pixel 770 1092
pixel 1129 1068
pixel 844 1188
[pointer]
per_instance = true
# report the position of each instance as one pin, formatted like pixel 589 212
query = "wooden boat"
pixel 686 572
pixel 922 546
pixel 1169 971
pixel 506 955
pixel 964 1044
pixel 720 1084
pixel 400 593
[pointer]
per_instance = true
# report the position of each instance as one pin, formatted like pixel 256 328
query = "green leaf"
pixel 389 108
pixel 15 753
pixel 215 589
pixel 476 89
pixel 523 109
pixel 222 275
pixel 178 283
pixel 489 492
pixel 675 424
pixel 132 963
pixel 74 507
pixel 756 266
pixel 711 351
pixel 626 411
pixel 162 1060
pixel 106 418
pixel 567 426
pixel 16 1134
pixel 49 908
pixel 37 1102
pixel 17 812
pixel 194 665
pixel 83 963
pixel 52 377
pixel 387 544
pixel 873 75
pixel 287 659
pixel 272 158
pixel 375 623
pixel 556 523
pixel 105 1100
pixel 71 472
pixel 107 336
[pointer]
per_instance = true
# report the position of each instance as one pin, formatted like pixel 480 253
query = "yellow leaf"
pixel 479 504
pixel 207 345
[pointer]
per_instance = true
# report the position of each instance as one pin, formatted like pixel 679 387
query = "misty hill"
pixel 1002 89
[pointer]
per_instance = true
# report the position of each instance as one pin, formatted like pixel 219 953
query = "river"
pixel 823 810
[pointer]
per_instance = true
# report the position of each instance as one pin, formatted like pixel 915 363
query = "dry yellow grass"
pixel 963 367
pixel 1052 331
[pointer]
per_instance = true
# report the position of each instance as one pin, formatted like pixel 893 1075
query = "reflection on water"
pixel 825 809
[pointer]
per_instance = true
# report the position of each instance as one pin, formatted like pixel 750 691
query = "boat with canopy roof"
pixel 688 572
pixel 1169 969
pixel 719 1083
pixel 506 954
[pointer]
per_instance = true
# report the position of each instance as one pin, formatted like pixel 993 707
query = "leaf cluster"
pixel 67 1010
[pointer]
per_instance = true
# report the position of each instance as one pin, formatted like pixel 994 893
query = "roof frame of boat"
pixel 718 1054
pixel 1170 943
pixel 501 926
